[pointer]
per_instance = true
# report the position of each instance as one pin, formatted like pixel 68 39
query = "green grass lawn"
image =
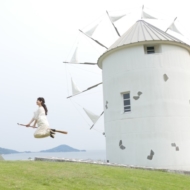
pixel 62 176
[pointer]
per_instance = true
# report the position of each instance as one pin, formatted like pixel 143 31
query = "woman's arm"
pixel 34 126
pixel 32 120
pixel 35 118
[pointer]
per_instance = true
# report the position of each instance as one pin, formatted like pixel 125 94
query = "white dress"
pixel 43 129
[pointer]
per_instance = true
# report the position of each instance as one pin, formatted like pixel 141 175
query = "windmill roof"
pixel 140 32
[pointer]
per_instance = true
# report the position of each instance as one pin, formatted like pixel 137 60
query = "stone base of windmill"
pixel 104 163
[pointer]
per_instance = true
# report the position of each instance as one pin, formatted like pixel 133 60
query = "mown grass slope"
pixel 29 175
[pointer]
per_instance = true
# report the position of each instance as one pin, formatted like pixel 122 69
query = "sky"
pixel 36 36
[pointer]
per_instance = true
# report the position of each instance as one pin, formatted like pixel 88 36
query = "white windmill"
pixel 146 92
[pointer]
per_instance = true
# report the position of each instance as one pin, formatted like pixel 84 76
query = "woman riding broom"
pixel 40 119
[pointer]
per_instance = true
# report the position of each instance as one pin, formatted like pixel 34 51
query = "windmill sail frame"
pixel 89 88
pixel 113 25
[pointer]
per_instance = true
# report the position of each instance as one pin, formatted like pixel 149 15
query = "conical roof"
pixel 143 31
pixel 140 32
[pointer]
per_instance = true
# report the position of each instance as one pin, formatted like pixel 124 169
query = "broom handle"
pixel 25 125
pixel 63 132
pixel 58 131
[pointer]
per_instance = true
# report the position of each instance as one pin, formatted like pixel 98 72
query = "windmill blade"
pixel 94 39
pixel 93 86
pixel 85 90
pixel 97 120
pixel 74 58
pixel 146 16
pixel 84 63
pixel 113 24
pixel 116 18
pixel 94 118
pixel 75 89
pixel 92 30
pixel 173 27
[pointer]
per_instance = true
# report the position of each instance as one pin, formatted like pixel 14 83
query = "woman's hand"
pixel 28 125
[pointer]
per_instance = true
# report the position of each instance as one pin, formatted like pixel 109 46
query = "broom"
pixel 54 130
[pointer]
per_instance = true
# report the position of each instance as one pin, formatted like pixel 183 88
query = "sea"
pixel 88 155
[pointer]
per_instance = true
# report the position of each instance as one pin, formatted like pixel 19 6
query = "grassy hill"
pixel 31 175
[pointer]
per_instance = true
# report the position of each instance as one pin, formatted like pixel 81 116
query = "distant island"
pixel 60 148
pixel 63 148
pixel 7 151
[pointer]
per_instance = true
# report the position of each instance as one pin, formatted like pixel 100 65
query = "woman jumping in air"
pixel 40 119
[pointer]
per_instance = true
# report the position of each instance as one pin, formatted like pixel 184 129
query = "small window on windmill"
pixel 150 50
pixel 126 102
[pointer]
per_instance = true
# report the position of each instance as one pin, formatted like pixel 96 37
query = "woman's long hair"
pixel 42 100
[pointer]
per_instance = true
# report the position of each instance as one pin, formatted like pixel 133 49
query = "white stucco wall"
pixel 160 116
